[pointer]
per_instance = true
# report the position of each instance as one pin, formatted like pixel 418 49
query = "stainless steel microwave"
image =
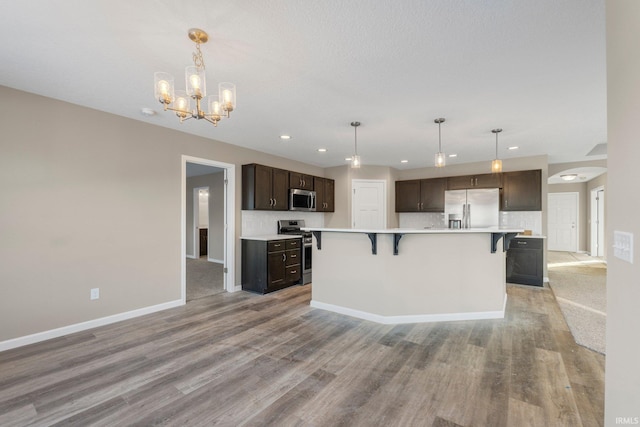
pixel 302 200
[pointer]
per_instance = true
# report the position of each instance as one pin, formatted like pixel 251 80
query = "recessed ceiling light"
pixel 322 150
pixel 514 148
pixel 148 112
pixel 348 159
pixel 453 155
pixel 285 137
pixel 569 176
pixel 404 161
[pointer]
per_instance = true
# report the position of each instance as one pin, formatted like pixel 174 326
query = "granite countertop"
pixel 267 237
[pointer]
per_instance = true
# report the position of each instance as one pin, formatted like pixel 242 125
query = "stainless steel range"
pixel 293 226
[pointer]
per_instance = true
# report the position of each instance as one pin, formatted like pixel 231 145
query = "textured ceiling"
pixel 535 68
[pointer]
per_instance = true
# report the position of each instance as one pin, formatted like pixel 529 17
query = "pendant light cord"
pixel 439 138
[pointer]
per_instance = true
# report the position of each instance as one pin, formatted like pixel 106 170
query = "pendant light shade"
pixel 355 159
pixel 440 158
pixel 496 164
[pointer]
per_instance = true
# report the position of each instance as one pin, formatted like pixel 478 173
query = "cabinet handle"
pixel 471 182
pixel 476 182
pixel 284 257
pixel 418 205
pixel 275 202
pixel 294 271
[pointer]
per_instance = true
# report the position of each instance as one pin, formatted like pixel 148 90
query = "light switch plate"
pixel 623 246
pixel 95 293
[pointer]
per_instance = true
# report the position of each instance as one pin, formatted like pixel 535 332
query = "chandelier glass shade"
pixel 191 103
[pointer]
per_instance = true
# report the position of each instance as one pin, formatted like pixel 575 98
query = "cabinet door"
pixel 319 185
pixel 522 191
pixel 300 181
pixel 408 196
pixel 460 182
pixel 280 189
pixel 432 194
pixel 276 272
pixel 329 195
pixel 488 180
pixel 262 187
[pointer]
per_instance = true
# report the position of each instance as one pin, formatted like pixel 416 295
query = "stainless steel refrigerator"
pixel 476 208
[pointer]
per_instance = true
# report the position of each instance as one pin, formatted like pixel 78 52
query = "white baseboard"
pixel 545 280
pixel 191 256
pixel 418 318
pixel 217 261
pixel 78 327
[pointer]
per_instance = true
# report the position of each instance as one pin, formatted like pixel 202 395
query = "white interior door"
pixel 562 222
pixel 368 205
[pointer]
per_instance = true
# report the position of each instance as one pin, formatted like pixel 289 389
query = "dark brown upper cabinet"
pixel 325 194
pixel 522 191
pixel 300 181
pixel 486 180
pixel 420 195
pixel 264 188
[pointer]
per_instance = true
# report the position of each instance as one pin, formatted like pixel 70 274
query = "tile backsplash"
pixel 258 223
pixel 529 220
pixel 421 220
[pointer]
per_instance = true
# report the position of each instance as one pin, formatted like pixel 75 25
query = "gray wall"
pixel 89 199
pixel 622 389
pixel 215 182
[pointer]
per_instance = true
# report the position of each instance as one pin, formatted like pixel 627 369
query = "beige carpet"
pixel 579 284
pixel 204 278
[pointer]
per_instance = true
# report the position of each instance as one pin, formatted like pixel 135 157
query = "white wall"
pixel 622 384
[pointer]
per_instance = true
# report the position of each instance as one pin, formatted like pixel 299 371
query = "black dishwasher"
pixel 524 261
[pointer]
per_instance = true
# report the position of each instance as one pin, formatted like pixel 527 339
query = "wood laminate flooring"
pixel 244 359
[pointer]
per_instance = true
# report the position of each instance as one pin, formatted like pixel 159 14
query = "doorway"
pixel 220 225
pixel 562 222
pixel 368 205
pixel 597 244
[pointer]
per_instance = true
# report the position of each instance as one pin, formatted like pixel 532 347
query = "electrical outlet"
pixel 95 293
pixel 623 246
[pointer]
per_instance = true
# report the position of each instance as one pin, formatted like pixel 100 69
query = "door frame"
pixel 384 198
pixel 597 223
pixel 576 241
pixel 229 221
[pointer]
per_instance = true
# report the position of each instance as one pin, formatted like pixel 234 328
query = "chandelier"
pixel 188 104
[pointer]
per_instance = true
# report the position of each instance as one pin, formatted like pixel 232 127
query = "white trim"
pixel 417 318
pixel 229 219
pixel 217 261
pixel 83 326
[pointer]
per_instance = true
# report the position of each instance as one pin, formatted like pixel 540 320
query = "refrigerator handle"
pixel 468 216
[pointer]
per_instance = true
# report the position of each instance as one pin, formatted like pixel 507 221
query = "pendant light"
pixel 355 160
pixel 440 156
pixel 496 164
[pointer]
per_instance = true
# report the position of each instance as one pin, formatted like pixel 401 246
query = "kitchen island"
pixel 411 275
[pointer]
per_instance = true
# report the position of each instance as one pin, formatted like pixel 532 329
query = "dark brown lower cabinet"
pixel 269 265
pixel 204 239
pixel 524 261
